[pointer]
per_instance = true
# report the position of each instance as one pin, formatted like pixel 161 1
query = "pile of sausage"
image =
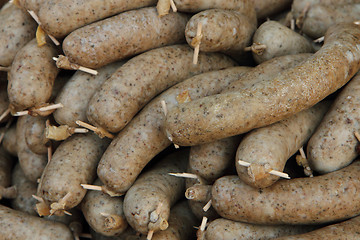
pixel 201 112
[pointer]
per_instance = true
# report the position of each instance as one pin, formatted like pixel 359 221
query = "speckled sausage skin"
pixel 320 17
pixel 96 203
pixel 333 145
pixel 32 5
pixel 73 163
pixel 181 224
pixel 18 225
pixel 122 36
pixel 32 76
pixel 31 163
pixel 298 6
pixel 346 230
pixel 266 102
pixel 148 201
pixel 222 30
pixel 25 189
pixel 143 138
pixel 17 28
pixel 131 87
pixel 326 198
pixel 229 230
pixel 279 41
pixel 77 92
pixel 266 8
pixel 201 5
pixel 35 135
pixel 60 17
pixel 269 148
pixel 210 160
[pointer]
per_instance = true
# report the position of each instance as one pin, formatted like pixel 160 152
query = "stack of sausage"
pixel 95 153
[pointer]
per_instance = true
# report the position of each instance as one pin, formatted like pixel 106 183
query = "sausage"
pixel 292 91
pixel 24 201
pixel 210 160
pixel 143 138
pixel 35 135
pixel 334 145
pixel 130 88
pixel 199 193
pixel 147 203
pixel 266 8
pixel 59 17
pixel 31 163
pixel 104 214
pixel 18 225
pixel 279 41
pixel 345 230
pixel 321 199
pixel 228 230
pixel 17 29
pixel 222 30
pixel 9 142
pixel 73 163
pixel 77 92
pixel 98 44
pixel 32 76
pixel 268 148
pixel 320 17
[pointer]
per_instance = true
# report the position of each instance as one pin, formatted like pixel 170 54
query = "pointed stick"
pixel 41 109
pixel 150 235
pixel 319 40
pixel 203 224
pixel 39 199
pixel 91 187
pixel 188 175
pixel 292 24
pixel 207 206
pixel 5 114
pixel 99 131
pixel 196 42
pixel 357 22
pixel 173 6
pixel 273 172
pixel 37 20
pixel 357 135
pixel 63 62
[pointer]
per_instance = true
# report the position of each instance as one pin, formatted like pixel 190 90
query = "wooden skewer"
pixel 207 206
pixel 273 172
pixel 4 69
pixel 357 22
pixel 67 213
pixel 37 20
pixel 5 114
pixel 256 48
pixel 302 153
pixel 91 187
pixel 319 40
pixel 203 224
pixel 41 109
pixel 197 42
pixel 74 66
pixel 39 199
pixel 98 131
pixel 49 149
pixel 292 24
pixel 184 175
pixel 150 235
pixel 173 6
